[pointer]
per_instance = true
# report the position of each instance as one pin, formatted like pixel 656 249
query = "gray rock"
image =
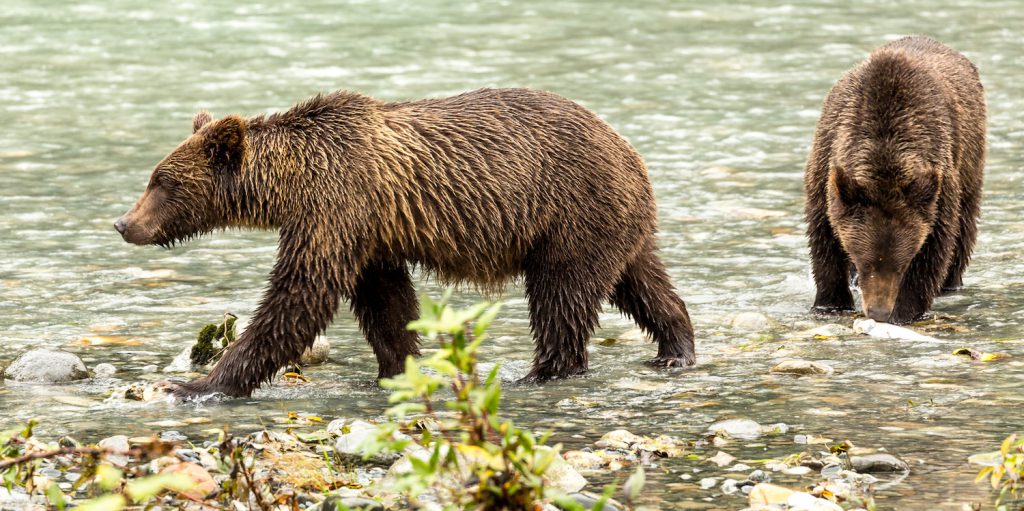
pixel 876 463
pixel 589 501
pixel 172 436
pixel 334 502
pixel 47 366
pixel 759 476
pixel 317 353
pixel 104 370
pixel 708 482
pixel 182 363
pixel 801 367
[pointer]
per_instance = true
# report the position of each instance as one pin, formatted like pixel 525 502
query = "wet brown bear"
pixel 893 182
pixel 482 188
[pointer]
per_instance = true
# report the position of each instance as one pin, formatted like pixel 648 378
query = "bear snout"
pixel 879 314
pixel 120 226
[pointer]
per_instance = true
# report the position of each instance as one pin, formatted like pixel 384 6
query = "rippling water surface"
pixel 720 99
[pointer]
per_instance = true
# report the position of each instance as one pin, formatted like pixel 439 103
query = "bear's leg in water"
pixel 384 303
pixel 565 298
pixel 645 293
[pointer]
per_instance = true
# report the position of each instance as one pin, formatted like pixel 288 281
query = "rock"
pixel 47 366
pixel 560 475
pixel 876 463
pixel 351 442
pixel 769 494
pixel 743 429
pixel 119 445
pixel 583 460
pixel 829 331
pixel 806 502
pixel 759 476
pixel 729 486
pixel 317 353
pixel 182 363
pixel 634 336
pixel 801 367
pixel 104 370
pixel 335 502
pixel 589 500
pixel 172 436
pixel 750 321
pixel 708 482
pixel 203 480
pixel 151 368
pixel 797 471
pixel 618 439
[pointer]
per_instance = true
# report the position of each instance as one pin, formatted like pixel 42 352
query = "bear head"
pixel 190 190
pixel 882 216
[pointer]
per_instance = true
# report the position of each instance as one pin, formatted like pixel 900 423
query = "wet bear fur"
pixel 479 188
pixel 893 181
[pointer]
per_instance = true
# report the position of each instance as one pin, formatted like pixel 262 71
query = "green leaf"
pixel 56 496
pixel 108 477
pixel 635 484
pixel 485 319
pixel 104 503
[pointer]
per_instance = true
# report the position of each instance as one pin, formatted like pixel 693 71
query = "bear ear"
pixel 846 188
pixel 225 140
pixel 201 119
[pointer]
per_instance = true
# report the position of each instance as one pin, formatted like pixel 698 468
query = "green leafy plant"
pixel 1004 469
pixel 471 458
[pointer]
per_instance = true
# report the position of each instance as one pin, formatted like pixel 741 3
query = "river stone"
pixel 317 353
pixel 104 370
pixel 47 366
pixel 335 502
pixel 807 502
pixel 769 494
pixel 801 367
pixel 182 363
pixel 358 433
pixel 589 500
pixel 560 475
pixel 750 321
pixel 876 463
pixel 743 429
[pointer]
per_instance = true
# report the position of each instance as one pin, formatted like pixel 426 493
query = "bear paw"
pixel 671 362
pixel 191 391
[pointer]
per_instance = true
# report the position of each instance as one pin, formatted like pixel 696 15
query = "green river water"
pixel 720 98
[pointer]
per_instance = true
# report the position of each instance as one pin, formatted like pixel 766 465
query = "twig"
pixel 94 451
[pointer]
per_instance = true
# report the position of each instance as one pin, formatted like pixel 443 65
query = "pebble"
pixel 172 436
pixel 47 366
pixel 708 482
pixel 104 370
pixel 801 367
pixel 750 321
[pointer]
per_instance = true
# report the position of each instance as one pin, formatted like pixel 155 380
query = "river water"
pixel 720 99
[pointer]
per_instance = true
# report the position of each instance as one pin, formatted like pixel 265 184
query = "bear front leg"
pixel 829 263
pixel 298 305
pixel 384 303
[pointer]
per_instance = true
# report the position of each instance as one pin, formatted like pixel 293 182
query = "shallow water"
pixel 720 99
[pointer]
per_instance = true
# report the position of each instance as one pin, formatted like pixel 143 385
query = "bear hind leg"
pixel 384 302
pixel 645 293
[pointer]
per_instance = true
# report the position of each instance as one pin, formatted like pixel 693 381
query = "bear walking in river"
pixel 482 188
pixel 893 181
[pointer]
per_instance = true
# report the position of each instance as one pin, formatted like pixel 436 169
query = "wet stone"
pixel 317 353
pixel 47 366
pixel 744 429
pixel 589 501
pixel 802 367
pixel 751 321
pixel 172 436
pixel 878 463
pixel 104 370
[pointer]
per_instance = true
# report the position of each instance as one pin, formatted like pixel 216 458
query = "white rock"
pixel 750 321
pixel 317 353
pixel 104 370
pixel 634 336
pixel 560 475
pixel 182 363
pixel 708 482
pixel 359 433
pixel 744 429
pixel 801 501
pixel 47 366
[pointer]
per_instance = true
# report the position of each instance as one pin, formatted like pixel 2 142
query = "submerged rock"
pixel 801 367
pixel 47 366
pixel 750 321
pixel 876 463
pixel 317 353
pixel 744 429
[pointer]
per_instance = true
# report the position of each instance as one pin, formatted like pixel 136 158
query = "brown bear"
pixel 893 181
pixel 478 188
